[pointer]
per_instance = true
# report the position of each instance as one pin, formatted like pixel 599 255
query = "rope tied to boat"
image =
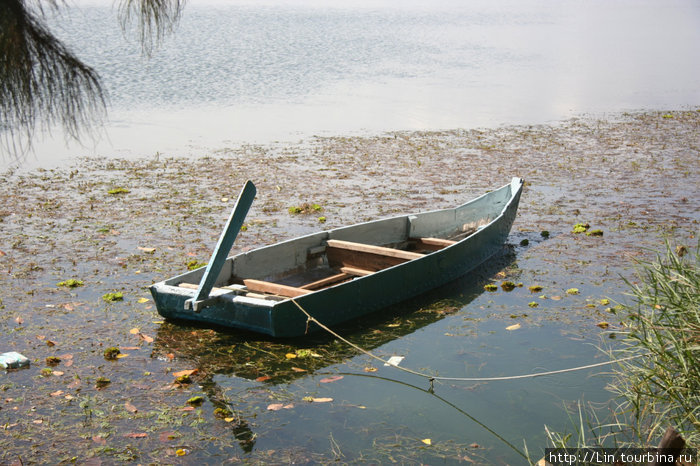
pixel 432 378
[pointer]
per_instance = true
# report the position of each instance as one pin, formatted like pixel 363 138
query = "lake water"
pixel 258 72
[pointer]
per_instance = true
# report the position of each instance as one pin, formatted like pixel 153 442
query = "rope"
pixel 310 318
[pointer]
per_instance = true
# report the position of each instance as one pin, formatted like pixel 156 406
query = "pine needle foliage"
pixel 43 83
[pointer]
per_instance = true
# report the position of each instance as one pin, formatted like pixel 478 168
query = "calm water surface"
pixel 257 72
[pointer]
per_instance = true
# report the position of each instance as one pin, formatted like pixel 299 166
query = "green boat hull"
pixel 362 295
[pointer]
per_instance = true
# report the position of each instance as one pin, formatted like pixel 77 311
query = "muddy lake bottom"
pixel 119 225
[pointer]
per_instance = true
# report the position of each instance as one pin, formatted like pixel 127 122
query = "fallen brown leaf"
pixel 185 372
pixel 136 435
pixel 333 378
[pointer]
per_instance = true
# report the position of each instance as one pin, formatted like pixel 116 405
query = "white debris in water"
pixel 394 361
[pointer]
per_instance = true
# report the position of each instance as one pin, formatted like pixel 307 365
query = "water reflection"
pixel 277 363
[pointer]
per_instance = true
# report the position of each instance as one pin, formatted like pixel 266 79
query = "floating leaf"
pixel 146 250
pixel 427 441
pixel 185 372
pixel 298 369
pixel 278 406
pixel 290 355
pixel 229 419
pixel 70 283
pixel 134 331
pixel 322 400
pixel 263 378
pixel 603 324
pixel 534 288
pixel 19 320
pixel 508 286
pixel 572 291
pixel 513 327
pixel 130 407
pixel 195 400
pixel 490 287
pixel 556 298
pixel 180 452
pixel 112 297
pixel 370 369
pixel 122 355
pixel 143 300
pixel 99 439
pixel 333 378
pixel 116 191
pixel 56 393
pixel 146 338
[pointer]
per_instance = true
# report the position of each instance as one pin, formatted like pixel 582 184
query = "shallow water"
pixel 636 178
pixel 259 72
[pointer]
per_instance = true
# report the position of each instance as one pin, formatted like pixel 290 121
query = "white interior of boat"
pixel 309 263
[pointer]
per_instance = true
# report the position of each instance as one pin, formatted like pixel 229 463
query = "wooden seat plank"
pixel 432 244
pixel 372 249
pixel 324 282
pixel 274 288
pixel 356 272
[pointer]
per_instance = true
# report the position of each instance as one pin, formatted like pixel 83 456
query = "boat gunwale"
pixel 163 287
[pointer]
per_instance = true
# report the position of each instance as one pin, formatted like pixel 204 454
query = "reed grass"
pixel 661 387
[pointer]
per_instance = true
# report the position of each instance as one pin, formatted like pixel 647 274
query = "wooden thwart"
pixel 354 271
pixel 371 249
pixel 328 281
pixel 274 288
pixel 432 244
pixel 365 256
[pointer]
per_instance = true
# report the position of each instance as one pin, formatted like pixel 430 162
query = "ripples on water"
pixel 244 71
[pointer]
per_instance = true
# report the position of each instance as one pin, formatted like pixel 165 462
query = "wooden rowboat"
pixel 339 274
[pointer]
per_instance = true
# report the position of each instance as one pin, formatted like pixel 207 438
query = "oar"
pixel 223 247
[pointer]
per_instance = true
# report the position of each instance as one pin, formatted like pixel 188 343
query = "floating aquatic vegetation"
pixel 490 287
pixel 116 191
pixel 193 264
pixel 580 228
pixel 534 288
pixel 572 291
pixel 70 283
pixel 111 353
pixel 53 361
pixel 544 234
pixel 508 286
pixel 196 400
pixel 305 208
pixel 112 297
pixel 596 232
pixel 102 382
pixel 524 242
pixel 533 304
